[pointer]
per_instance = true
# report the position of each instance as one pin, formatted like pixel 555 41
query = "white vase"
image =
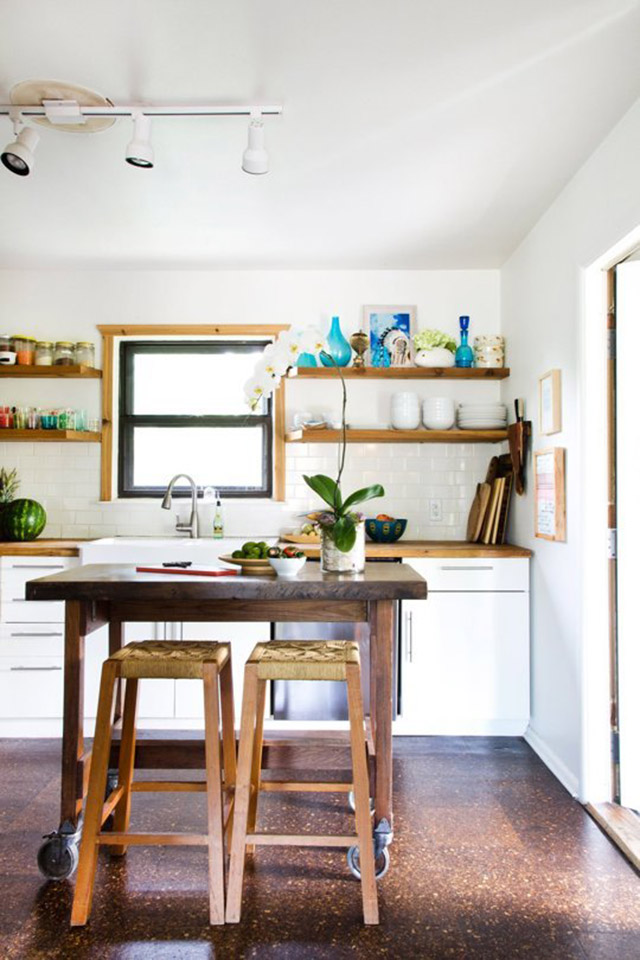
pixel 436 357
pixel 336 561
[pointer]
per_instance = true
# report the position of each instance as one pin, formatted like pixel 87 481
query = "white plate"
pixel 482 425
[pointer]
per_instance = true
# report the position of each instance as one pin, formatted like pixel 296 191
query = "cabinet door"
pixel 243 638
pixel 465 664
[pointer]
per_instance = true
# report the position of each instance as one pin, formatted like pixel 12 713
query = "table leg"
pixel 381 615
pixel 115 643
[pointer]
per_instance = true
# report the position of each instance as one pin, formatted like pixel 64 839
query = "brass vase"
pixel 359 342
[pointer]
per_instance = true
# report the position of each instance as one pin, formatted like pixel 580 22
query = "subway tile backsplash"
pixel 65 478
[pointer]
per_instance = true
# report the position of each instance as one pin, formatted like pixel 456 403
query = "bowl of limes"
pixel 252 558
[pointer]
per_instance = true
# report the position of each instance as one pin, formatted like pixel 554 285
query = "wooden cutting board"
pixel 477 512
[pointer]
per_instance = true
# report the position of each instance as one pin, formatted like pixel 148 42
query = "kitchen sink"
pixel 203 550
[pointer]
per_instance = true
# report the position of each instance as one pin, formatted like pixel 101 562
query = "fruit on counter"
pixel 285 553
pixel 252 550
pixel 384 516
pixel 23 520
pixel 307 528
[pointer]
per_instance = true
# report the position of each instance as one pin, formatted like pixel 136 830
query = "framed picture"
pixel 549 494
pixel 550 402
pixel 390 331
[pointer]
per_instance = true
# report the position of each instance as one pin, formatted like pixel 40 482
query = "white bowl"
pixel 287 567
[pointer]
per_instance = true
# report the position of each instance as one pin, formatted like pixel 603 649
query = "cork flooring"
pixel 492 859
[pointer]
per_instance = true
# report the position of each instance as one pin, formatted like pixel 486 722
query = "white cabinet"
pixel 464 659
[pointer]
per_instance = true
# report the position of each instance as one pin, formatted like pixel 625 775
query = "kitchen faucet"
pixel 192 526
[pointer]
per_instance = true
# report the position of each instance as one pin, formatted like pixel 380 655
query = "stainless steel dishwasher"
pixel 326 700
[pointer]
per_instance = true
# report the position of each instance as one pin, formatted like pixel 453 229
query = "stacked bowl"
pixel 482 416
pixel 438 413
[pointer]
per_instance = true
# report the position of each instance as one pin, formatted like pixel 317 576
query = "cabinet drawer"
pixel 17 610
pixel 25 640
pixel 15 572
pixel 474 574
pixel 31 689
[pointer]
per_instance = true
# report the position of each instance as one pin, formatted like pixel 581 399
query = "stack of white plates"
pixel 482 416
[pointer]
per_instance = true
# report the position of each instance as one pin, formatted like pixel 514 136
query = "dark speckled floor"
pixel 492 860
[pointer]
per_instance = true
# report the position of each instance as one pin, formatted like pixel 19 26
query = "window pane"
pixel 213 456
pixel 193 383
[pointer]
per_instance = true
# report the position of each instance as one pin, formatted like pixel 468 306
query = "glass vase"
pixel 306 360
pixel 335 561
pixel 337 345
pixel 464 353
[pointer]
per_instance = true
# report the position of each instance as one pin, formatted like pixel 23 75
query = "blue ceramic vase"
pixel 337 345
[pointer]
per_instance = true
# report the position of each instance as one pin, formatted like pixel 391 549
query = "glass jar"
pixel 63 355
pixel 85 354
pixel 25 348
pixel 44 353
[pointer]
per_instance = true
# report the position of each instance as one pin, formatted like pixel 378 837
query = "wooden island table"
pixel 100 594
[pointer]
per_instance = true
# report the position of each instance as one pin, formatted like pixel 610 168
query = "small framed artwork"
pixel 549 494
pixel 390 331
pixel 550 402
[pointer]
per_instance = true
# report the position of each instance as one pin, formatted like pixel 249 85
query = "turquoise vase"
pixel 306 360
pixel 464 353
pixel 337 345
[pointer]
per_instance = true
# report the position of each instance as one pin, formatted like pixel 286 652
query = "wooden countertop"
pixel 403 548
pixel 117 582
pixel 40 548
pixel 411 549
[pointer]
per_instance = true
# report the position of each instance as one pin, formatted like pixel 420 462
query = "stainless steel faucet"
pixel 192 526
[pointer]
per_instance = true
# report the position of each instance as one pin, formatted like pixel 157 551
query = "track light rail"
pixel 130 110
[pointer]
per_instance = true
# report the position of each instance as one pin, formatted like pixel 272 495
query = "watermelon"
pixel 23 520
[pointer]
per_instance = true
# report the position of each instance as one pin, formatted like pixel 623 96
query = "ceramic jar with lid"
pixel 489 351
pixel 63 354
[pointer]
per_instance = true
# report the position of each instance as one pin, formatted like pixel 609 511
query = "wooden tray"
pixel 248 566
pixel 300 537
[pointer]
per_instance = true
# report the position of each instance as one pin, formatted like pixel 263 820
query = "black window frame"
pixel 127 420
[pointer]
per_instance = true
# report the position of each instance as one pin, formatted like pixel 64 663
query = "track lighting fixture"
pixel 18 156
pixel 69 108
pixel 255 158
pixel 139 151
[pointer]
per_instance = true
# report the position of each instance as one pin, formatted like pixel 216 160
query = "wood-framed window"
pixel 179 408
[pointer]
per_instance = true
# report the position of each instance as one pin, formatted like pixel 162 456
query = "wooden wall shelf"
pixel 398 436
pixel 401 373
pixel 60 436
pixel 73 371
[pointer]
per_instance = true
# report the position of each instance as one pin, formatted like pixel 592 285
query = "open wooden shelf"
pixel 397 436
pixel 73 371
pixel 402 373
pixel 76 436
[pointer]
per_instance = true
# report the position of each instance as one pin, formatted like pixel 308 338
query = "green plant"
pixel 340 521
pixel 429 339
pixel 9 484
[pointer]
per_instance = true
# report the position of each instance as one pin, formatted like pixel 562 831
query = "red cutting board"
pixel 190 571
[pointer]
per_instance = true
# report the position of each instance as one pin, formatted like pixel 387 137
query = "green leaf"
pixel 344 534
pixel 367 493
pixel 326 488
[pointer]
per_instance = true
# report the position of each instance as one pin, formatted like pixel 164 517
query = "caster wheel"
pixel 58 858
pixel 383 861
pixel 352 802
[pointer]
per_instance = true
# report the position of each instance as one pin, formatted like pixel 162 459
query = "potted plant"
pixel 434 349
pixel 9 484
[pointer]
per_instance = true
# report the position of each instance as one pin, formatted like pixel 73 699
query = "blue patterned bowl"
pixel 385 531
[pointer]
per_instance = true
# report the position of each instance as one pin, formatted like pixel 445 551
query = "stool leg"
pixel 256 762
pixel 361 793
pixel 127 762
pixel 243 791
pixel 228 723
pixel 97 783
pixel 214 794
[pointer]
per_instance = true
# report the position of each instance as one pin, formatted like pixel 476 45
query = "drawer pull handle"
pixel 36 634
pixel 33 669
pixel 466 569
pixel 37 566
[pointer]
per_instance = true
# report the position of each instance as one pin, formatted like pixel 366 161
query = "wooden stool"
pixel 210 662
pixel 299 660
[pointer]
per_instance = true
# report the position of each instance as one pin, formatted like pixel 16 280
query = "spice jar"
pixel 44 353
pixel 25 348
pixel 7 353
pixel 85 354
pixel 63 354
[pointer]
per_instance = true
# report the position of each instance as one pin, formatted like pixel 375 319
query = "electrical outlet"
pixel 435 511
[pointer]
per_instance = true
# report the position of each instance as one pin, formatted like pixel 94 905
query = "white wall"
pixel 547 325
pixel 69 304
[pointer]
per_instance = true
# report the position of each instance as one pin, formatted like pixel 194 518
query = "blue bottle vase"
pixel 464 353
pixel 338 345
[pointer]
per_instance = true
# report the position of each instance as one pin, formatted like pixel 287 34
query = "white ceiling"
pixel 416 133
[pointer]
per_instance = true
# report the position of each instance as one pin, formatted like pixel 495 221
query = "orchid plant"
pixel 339 523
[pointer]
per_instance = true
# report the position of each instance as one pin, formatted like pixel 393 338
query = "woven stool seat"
pixel 177 660
pixel 304 659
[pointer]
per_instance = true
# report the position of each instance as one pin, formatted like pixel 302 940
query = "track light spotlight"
pixel 139 151
pixel 18 156
pixel 255 158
